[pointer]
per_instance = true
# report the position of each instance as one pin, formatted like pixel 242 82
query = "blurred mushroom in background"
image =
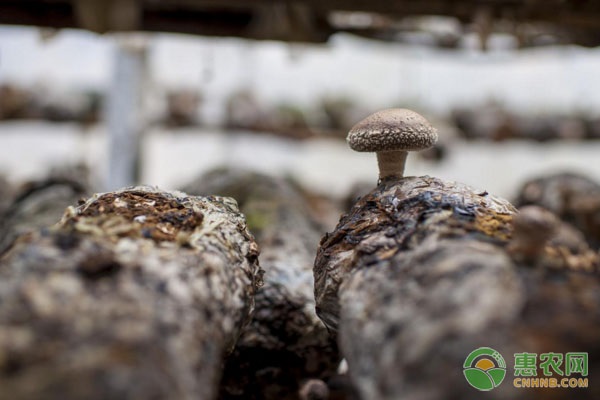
pixel 574 197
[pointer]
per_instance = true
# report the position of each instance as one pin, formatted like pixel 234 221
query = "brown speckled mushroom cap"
pixel 392 129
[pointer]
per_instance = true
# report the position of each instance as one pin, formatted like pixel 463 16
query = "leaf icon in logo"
pixel 497 375
pixel 479 379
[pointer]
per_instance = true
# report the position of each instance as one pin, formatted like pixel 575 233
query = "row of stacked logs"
pixel 143 293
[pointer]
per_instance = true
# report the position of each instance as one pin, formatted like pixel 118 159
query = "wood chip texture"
pixel 134 294
pixel 399 214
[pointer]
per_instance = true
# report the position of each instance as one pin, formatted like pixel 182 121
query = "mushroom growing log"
pixel 134 294
pixel 285 343
pixel 573 197
pixel 397 216
pixel 421 272
pixel 429 308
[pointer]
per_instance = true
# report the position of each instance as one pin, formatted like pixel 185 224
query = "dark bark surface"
pixel 573 197
pixel 399 215
pixel 408 323
pixel 420 272
pixel 285 343
pixel 135 294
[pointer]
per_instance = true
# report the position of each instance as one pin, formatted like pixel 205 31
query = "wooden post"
pixel 125 112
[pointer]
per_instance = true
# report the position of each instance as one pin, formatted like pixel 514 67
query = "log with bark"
pixel 420 272
pixel 575 198
pixel 134 294
pixel 286 343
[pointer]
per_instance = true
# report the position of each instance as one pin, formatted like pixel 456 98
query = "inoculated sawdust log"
pixel 573 197
pixel 285 343
pixel 420 272
pixel 135 294
pixel 383 222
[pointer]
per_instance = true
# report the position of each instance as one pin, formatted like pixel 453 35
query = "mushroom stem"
pixel 391 163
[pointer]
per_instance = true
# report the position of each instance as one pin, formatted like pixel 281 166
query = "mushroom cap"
pixel 536 221
pixel 392 129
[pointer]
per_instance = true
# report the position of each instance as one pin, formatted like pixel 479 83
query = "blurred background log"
pixel 135 294
pixel 285 343
pixel 421 272
pixel 41 203
pixel 575 198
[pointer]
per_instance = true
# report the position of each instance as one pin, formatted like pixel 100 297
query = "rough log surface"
pixel 421 272
pixel 573 197
pixel 135 294
pixel 285 343
pixel 385 221
pixel 409 322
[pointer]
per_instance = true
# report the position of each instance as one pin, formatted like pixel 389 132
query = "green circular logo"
pixel 484 368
